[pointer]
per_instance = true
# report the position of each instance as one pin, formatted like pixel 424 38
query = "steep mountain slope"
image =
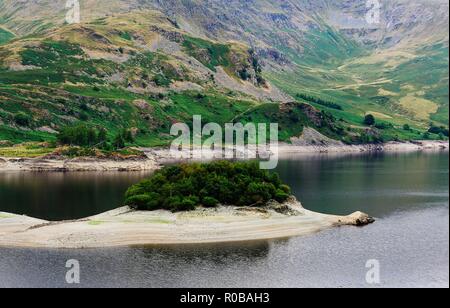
pixel 315 50
pixel 135 71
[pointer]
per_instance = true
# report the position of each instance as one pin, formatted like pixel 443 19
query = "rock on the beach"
pixel 359 219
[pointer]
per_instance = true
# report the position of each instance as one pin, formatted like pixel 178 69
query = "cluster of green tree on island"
pixel 94 137
pixel 184 187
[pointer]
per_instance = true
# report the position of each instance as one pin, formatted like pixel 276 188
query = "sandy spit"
pixel 125 227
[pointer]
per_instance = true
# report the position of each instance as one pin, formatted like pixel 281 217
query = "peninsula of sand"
pixel 126 227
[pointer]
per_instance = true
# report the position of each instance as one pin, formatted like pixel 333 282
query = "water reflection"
pixel 62 196
pixel 379 184
pixel 412 248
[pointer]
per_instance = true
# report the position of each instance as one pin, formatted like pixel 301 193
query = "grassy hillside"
pixel 105 74
pixel 144 71
pixel 5 36
pixel 398 86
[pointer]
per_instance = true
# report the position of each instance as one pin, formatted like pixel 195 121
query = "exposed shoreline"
pixel 9 164
pixel 157 156
pixel 124 227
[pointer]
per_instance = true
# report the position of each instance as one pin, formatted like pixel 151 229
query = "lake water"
pixel 408 193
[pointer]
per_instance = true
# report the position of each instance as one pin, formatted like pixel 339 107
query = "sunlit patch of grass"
pixel 95 222
pixel 420 107
pixel 159 221
pixel 26 150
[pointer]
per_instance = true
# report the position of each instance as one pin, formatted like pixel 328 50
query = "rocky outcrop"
pixel 311 137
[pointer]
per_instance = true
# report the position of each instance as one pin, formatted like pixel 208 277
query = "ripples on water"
pixel 409 194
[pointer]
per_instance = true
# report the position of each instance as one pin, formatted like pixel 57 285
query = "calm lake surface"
pixel 408 193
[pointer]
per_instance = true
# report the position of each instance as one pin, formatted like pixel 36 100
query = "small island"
pixel 184 187
pixel 194 203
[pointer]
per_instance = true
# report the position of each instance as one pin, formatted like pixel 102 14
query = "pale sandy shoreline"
pixel 124 227
pixel 156 157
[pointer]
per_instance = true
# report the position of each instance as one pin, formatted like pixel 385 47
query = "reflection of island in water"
pixel 214 253
pixel 416 239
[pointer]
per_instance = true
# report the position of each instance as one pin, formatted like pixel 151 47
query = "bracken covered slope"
pixel 229 53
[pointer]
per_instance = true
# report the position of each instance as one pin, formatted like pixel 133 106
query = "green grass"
pixel 95 222
pixel 5 36
pixel 292 120
pixel 25 151
pixel 66 87
pixel 216 54
pixel 5 216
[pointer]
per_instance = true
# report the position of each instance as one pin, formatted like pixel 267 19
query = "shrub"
pixel 139 202
pixel 22 119
pixel 285 189
pixel 281 195
pixel 185 186
pixel 383 125
pixel 369 120
pixel 119 142
pixel 438 130
pixel 210 202
pixel 77 152
pixel 81 135
pixel 319 101
pixel 161 80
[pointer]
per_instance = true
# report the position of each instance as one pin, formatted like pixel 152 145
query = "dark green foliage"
pixel 82 135
pixel 406 127
pixel 369 120
pixel 57 62
pixel 119 142
pixel 210 202
pixel 208 53
pixel 161 80
pixel 183 187
pixel 122 138
pixel 366 138
pixel 126 36
pixel 319 101
pixel 86 136
pixel 244 74
pixel 258 68
pixel 79 152
pixel 438 130
pixel 383 125
pixel 22 119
